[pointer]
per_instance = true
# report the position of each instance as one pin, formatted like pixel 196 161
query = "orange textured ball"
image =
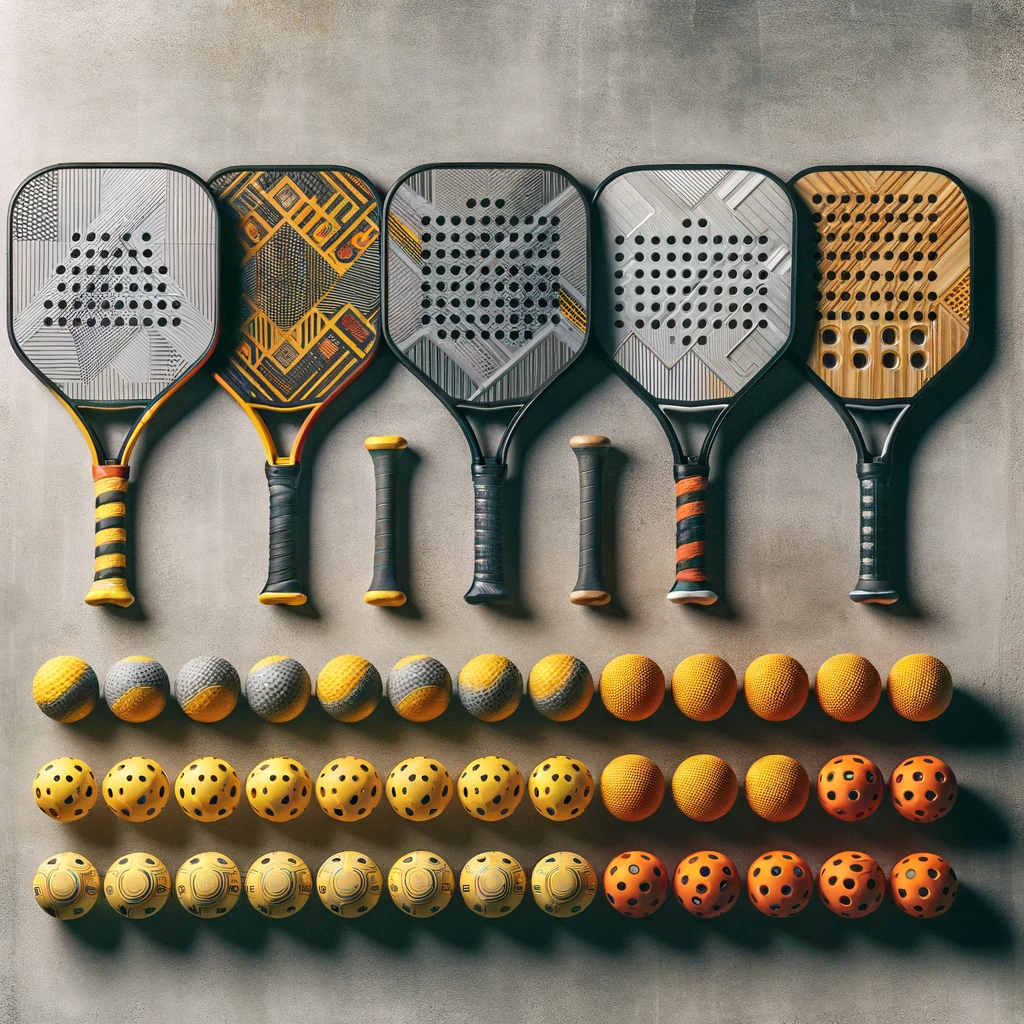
pixel 780 883
pixel 923 885
pixel 923 788
pixel 850 787
pixel 920 687
pixel 703 687
pixel 636 883
pixel 632 687
pixel 775 686
pixel 777 787
pixel 848 687
pixel 706 883
pixel 632 787
pixel 704 787
pixel 851 884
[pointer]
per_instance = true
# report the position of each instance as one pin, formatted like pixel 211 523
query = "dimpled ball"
pixel 703 687
pixel 137 885
pixel 632 687
pixel 136 688
pixel 66 886
pixel 850 787
pixel 775 686
pixel 277 688
pixel 419 688
pixel 279 788
pixel 491 787
pixel 561 687
pixel 208 884
pixel 636 883
pixel 136 789
pixel 706 883
pixel 207 688
pixel 492 884
pixel 777 787
pixel 563 884
pixel 421 883
pixel 561 788
pixel 490 687
pixel 349 688
pixel 65 689
pixel 632 787
pixel 419 788
pixel 920 687
pixel 348 788
pixel 923 788
pixel 923 885
pixel 349 884
pixel 780 883
pixel 65 788
pixel 207 789
pixel 851 884
pixel 848 687
pixel 704 787
pixel 278 884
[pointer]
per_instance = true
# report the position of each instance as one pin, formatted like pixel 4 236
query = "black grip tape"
pixel 384 466
pixel 488 571
pixel 283 575
pixel 591 576
pixel 874 586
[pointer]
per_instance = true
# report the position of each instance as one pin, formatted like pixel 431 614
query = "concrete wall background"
pixel 591 85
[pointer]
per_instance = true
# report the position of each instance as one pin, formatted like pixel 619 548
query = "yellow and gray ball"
pixel 563 884
pixel 66 886
pixel 207 688
pixel 65 788
pixel 491 787
pixel 421 883
pixel 65 688
pixel 279 788
pixel 492 884
pixel 207 789
pixel 561 687
pixel 136 789
pixel 137 885
pixel 419 788
pixel 419 688
pixel 277 688
pixel 208 884
pixel 278 884
pixel 136 688
pixel 348 788
pixel 490 687
pixel 348 687
pixel 349 884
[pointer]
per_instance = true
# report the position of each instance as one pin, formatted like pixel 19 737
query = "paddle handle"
pixel 384 590
pixel 488 585
pixel 110 562
pixel 874 586
pixel 691 586
pixel 283 586
pixel 590 589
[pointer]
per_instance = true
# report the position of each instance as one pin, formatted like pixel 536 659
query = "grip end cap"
pixel 112 591
pixel 685 592
pixel 385 598
pixel 289 597
pixel 590 598
pixel 385 442
pixel 482 592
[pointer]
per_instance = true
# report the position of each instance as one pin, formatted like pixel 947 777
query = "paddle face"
pixel 699 263
pixel 893 278
pixel 486 279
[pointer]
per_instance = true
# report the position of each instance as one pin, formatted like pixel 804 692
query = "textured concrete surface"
pixel 590 85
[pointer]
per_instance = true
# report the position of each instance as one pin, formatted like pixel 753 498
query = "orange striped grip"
pixel 690 586
pixel 109 585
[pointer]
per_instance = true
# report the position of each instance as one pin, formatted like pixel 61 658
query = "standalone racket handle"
pixel 384 590
pixel 589 589
pixel 283 586
pixel 691 507
pixel 874 587
pixel 109 585
pixel 488 570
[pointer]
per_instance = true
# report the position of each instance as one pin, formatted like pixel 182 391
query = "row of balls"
pixel 632 687
pixel 421 884
pixel 850 787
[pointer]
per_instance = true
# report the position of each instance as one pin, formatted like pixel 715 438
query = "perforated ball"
pixel 490 687
pixel 848 687
pixel 208 884
pixel 850 787
pixel 561 787
pixel 563 884
pixel 632 687
pixel 777 787
pixel 65 788
pixel 207 688
pixel 136 688
pixel 65 688
pixel 349 883
pixel 421 883
pixel 419 688
pixel 419 788
pixel 851 884
pixel 780 883
pixel 703 687
pixel 348 688
pixel 348 788
pixel 632 787
pixel 704 787
pixel 561 687
pixel 706 883
pixel 492 883
pixel 923 885
pixel 920 687
pixel 636 883
pixel 207 789
pixel 277 688
pixel 923 788
pixel 491 787
pixel 278 884
pixel 137 885
pixel 775 686
pixel 136 789
pixel 279 788
pixel 66 886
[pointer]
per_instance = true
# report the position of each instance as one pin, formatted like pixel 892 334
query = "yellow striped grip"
pixel 109 585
